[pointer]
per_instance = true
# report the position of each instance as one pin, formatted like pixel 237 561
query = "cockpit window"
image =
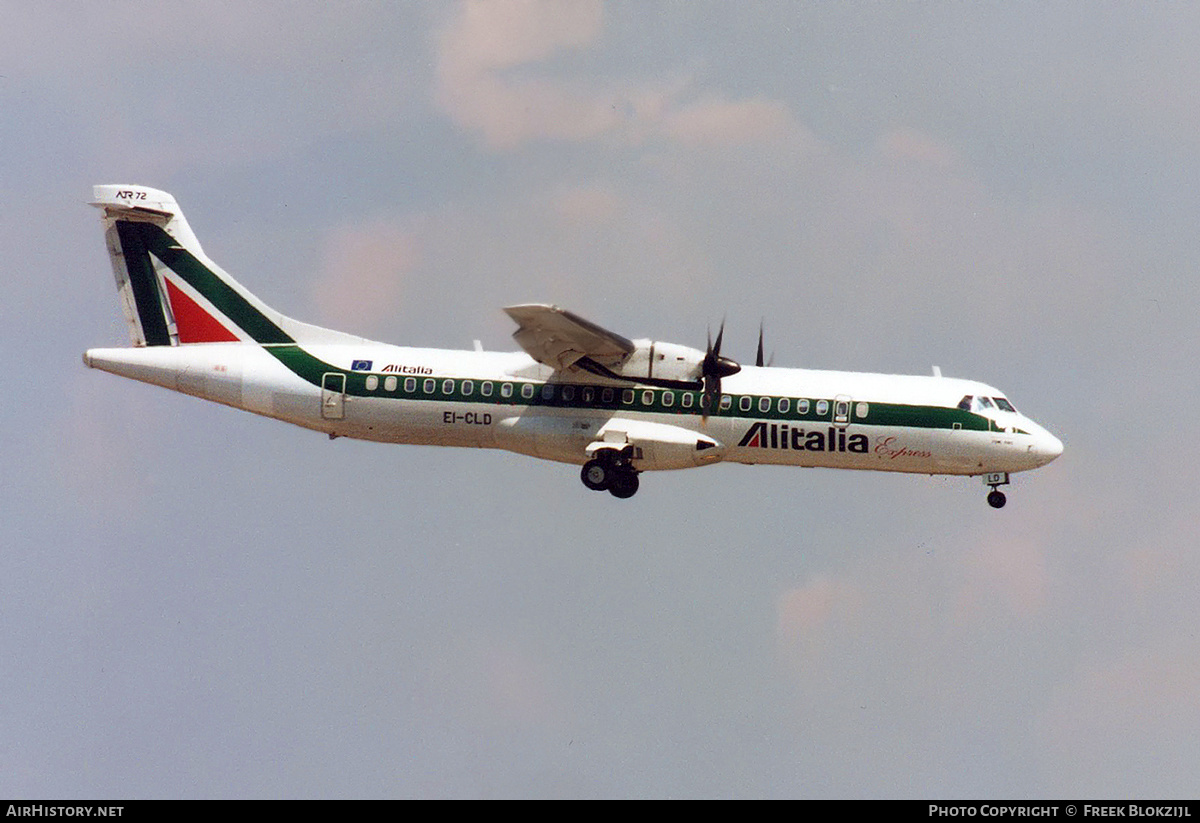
pixel 1004 404
pixel 965 403
pixel 985 403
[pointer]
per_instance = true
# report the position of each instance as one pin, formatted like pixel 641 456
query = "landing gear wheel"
pixel 997 499
pixel 624 484
pixel 596 475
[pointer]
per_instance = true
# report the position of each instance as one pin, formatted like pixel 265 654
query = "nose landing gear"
pixel 612 471
pixel 996 498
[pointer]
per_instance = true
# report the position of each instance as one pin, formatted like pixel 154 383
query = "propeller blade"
pixel 713 369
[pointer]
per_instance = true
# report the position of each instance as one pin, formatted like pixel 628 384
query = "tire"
pixel 623 484
pixel 596 475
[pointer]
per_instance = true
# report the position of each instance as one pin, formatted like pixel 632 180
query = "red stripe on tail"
pixel 194 324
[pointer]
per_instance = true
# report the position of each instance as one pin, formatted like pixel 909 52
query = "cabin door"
pixel 333 396
pixel 841 410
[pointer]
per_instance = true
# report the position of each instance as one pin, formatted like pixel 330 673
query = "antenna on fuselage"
pixel 937 371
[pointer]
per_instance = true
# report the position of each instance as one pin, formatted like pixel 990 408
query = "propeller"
pixel 713 369
pixel 758 360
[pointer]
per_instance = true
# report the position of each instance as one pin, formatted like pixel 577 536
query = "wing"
pixel 558 338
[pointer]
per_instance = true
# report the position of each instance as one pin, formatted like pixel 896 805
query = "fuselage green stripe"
pixel 450 390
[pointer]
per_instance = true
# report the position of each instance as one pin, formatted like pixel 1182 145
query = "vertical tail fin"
pixel 171 292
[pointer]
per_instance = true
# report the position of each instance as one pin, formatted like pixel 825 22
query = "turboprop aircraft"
pixel 577 393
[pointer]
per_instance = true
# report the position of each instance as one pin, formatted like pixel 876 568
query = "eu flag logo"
pixel 360 365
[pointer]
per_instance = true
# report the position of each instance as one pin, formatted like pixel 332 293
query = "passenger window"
pixel 801 407
pixel 372 383
pixel 764 404
pixel 429 385
pixel 410 384
pixel 647 398
pixel 627 396
pixel 606 396
pixel 485 388
pixel 785 405
pixel 568 394
pixel 822 408
pixel 589 394
pixel 688 399
pixel 668 398
pixel 547 392
pixel 726 402
pixel 744 402
pixel 860 410
pixel 527 391
pixel 467 387
pixel 447 387
pixel 506 389
pixel 390 383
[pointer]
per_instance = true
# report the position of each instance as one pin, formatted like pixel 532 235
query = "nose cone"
pixel 1048 447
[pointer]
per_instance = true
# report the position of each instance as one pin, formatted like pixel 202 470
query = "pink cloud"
pixel 362 275
pixel 486 55
pixel 588 205
pixel 485 38
pixel 806 614
pixel 720 122
pixel 911 144
pixel 1009 572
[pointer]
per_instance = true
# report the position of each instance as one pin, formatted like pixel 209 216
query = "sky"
pixel 197 602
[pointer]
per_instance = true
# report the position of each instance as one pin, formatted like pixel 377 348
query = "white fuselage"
pixel 801 417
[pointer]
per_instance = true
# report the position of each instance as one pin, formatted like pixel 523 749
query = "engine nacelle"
pixel 658 446
pixel 655 360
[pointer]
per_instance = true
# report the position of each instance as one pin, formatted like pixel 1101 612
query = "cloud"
pixel 486 57
pixel 587 205
pixel 498 34
pixel 721 122
pixel 485 38
pixel 1009 571
pixel 909 144
pixel 498 679
pixel 807 615
pixel 362 274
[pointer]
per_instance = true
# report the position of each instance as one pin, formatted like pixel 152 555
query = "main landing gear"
pixel 996 498
pixel 610 470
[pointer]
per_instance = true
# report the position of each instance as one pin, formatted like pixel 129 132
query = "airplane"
pixel 576 393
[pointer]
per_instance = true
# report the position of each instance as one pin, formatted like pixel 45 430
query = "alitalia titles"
pixel 400 368
pixel 763 435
